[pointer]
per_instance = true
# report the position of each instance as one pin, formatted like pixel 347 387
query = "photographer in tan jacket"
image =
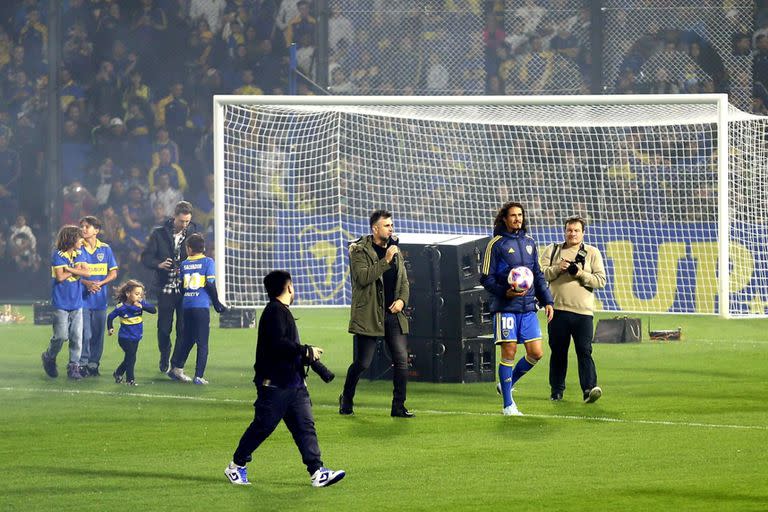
pixel 573 270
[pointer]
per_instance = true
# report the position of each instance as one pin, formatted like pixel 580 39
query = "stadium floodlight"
pixel 672 186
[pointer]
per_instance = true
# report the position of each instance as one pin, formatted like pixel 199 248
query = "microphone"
pixel 393 240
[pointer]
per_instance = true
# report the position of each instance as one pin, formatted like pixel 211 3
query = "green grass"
pixel 681 426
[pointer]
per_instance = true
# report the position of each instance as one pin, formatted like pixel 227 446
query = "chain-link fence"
pixel 686 46
pixel 406 47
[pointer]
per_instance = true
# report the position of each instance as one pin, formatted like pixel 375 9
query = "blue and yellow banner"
pixel 654 267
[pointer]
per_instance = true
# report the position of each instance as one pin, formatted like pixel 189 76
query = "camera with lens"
pixel 319 368
pixel 323 371
pixel 580 259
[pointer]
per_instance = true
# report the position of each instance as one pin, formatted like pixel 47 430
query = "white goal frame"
pixel 719 101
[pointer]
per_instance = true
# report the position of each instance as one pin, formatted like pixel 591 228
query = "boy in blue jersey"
pixel 67 267
pixel 103 267
pixel 514 317
pixel 130 308
pixel 198 287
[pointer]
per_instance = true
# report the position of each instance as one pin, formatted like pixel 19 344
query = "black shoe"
pixel 73 371
pixel 165 365
pixel 118 377
pixel 84 371
pixel 592 395
pixel 49 365
pixel 401 412
pixel 556 396
pixel 345 405
pixel 93 371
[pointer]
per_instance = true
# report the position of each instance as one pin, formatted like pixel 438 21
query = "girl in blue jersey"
pixel 130 308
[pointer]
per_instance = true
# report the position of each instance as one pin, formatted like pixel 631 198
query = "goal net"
pixel 681 228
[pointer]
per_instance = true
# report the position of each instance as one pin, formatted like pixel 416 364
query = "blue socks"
pixel 521 368
pixel 505 378
pixel 510 373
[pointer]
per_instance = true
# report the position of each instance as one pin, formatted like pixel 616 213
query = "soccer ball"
pixel 520 279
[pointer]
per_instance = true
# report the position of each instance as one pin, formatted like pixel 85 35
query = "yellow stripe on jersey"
pixel 487 256
pixel 98 269
pixel 131 321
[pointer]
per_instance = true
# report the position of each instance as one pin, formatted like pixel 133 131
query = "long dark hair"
pixel 67 238
pixel 499 226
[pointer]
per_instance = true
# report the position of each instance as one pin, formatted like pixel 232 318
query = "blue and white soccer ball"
pixel 520 279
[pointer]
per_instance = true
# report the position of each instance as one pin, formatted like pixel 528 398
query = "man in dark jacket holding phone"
pixel 164 252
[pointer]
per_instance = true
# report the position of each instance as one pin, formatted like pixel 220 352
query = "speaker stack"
pixel 234 318
pixel 451 325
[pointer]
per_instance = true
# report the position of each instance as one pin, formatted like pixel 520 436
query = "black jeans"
pixel 197 328
pixel 366 347
pixel 563 326
pixel 130 347
pixel 167 305
pixel 294 407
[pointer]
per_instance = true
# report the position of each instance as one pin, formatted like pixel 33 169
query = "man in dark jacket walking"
pixel 282 393
pixel 514 313
pixel 380 292
pixel 164 252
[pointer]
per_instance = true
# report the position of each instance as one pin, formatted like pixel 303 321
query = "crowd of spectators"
pixel 137 78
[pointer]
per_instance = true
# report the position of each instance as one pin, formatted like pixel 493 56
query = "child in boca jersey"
pixel 130 308
pixel 67 267
pixel 199 292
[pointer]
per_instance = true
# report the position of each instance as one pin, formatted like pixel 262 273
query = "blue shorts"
pixel 516 327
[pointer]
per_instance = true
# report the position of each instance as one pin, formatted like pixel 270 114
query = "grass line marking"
pixel 420 411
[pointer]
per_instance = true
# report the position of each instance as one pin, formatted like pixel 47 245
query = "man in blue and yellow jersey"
pixel 103 266
pixel 198 281
pixel 67 267
pixel 514 312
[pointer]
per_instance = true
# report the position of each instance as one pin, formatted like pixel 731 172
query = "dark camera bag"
pixel 618 330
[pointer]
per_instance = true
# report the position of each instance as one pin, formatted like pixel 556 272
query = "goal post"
pixel 681 229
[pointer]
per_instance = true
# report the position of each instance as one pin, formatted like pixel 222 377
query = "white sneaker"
pixel 324 477
pixel 178 374
pixel 511 410
pixel 593 395
pixel 200 381
pixel 238 475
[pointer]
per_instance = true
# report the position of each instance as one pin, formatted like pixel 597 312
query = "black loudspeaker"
pixel 237 318
pixel 43 313
pixel 454 315
pixel 440 360
pixel 442 263
pixel 381 365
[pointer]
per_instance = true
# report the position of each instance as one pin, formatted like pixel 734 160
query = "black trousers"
pixel 294 407
pixel 563 326
pixel 397 343
pixel 167 306
pixel 130 347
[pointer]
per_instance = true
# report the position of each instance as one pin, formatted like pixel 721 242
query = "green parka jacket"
pixel 366 269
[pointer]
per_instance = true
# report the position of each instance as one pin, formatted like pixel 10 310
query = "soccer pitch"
pixel 681 426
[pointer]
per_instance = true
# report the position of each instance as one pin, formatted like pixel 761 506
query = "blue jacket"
pixel 504 252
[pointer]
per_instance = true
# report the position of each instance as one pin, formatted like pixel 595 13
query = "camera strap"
pixel 557 248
